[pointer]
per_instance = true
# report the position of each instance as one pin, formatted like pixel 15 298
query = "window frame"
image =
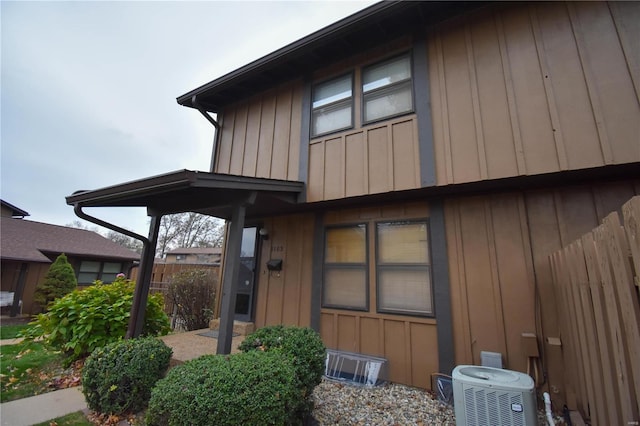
pixel 346 266
pixel 387 89
pixel 404 266
pixel 99 274
pixel 333 105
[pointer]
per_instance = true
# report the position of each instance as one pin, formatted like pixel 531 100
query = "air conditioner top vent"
pixel 492 377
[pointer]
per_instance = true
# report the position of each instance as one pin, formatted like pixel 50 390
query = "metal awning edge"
pixel 181 179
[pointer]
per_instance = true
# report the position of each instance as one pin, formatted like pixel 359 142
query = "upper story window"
pixel 332 104
pixel 387 89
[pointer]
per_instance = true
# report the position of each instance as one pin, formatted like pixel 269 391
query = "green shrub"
pixel 118 378
pixel 90 318
pixel 242 389
pixel 193 292
pixel 59 281
pixel 303 345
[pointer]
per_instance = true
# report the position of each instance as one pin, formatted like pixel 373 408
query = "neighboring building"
pixel 415 165
pixel 195 255
pixel 9 210
pixel 28 248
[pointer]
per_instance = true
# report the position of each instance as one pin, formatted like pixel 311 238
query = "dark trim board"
pixel 423 112
pixel 316 271
pixel 441 287
pixel 305 131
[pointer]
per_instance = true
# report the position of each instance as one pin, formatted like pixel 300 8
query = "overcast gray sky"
pixel 89 89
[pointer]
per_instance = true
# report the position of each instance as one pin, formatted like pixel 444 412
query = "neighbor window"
pixel 103 271
pixel 332 106
pixel 345 268
pixel 403 268
pixel 387 89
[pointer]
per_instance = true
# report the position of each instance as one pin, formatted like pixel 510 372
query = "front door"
pixel 245 285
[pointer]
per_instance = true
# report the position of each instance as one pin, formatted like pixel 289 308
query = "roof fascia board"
pixel 182 179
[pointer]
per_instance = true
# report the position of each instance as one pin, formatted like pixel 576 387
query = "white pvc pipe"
pixel 547 408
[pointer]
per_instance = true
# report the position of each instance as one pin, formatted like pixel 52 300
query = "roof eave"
pixel 289 50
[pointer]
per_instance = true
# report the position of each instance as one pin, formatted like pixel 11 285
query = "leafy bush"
pixel 87 319
pixel 303 345
pixel 118 378
pixel 242 389
pixel 193 292
pixel 59 281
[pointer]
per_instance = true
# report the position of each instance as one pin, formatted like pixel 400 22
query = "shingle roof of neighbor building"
pixel 26 240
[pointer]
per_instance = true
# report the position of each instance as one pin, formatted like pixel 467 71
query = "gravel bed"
pixel 389 404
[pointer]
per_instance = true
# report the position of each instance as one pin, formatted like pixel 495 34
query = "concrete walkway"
pixel 40 408
pixel 15 341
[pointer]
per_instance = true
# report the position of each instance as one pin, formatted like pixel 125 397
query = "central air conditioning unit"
pixel 493 396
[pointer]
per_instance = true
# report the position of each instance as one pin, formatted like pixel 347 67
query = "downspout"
pixel 216 134
pixel 138 307
pixel 77 209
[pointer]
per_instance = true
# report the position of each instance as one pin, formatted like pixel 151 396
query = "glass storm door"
pixel 245 285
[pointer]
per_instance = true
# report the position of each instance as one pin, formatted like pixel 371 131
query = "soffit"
pixel 375 25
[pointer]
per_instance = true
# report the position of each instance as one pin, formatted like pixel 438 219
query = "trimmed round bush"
pixel 303 344
pixel 118 378
pixel 242 389
pixel 90 318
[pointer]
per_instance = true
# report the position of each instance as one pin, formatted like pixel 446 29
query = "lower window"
pixel 345 268
pixel 403 268
pixel 91 271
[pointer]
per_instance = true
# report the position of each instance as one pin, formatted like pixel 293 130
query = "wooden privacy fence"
pixel 597 281
pixel 162 273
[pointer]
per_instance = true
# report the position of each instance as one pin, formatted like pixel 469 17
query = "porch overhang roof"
pixel 195 191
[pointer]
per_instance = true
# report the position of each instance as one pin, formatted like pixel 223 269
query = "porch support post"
pixel 17 295
pixel 231 270
pixel 141 292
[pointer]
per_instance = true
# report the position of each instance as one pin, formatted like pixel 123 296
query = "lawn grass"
pixel 25 370
pixel 73 419
pixel 11 331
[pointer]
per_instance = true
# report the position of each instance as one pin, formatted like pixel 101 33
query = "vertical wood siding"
pixel 260 137
pixel 501 281
pixel 284 297
pixel 410 344
pixel 530 89
pixel 379 158
pixel 35 274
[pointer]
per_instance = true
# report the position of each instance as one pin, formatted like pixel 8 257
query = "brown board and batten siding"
pixel 500 276
pixel 528 89
pixel 409 343
pixel 284 297
pixel 260 137
pixel 379 158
